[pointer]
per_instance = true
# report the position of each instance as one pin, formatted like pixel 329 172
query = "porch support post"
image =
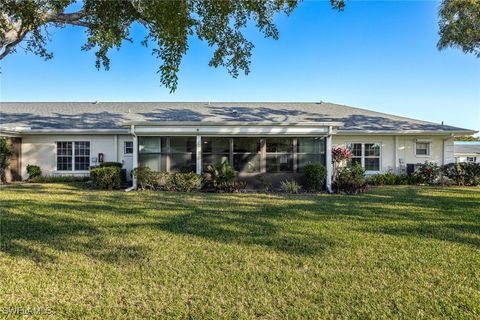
pixel 199 155
pixel 328 160
pixel 395 154
pixel 134 156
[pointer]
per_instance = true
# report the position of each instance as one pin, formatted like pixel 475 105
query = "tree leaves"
pixel 460 25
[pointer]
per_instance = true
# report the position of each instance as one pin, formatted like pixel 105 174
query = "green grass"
pixel 396 252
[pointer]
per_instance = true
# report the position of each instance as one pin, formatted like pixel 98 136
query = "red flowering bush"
pixel 340 154
pixel 428 173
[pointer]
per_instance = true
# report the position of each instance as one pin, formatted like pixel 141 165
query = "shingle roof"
pixel 467 147
pixel 112 115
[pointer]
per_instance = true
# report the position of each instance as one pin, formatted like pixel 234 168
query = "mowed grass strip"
pixel 396 252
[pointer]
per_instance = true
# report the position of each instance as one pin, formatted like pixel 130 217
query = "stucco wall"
pixel 439 146
pixel 41 150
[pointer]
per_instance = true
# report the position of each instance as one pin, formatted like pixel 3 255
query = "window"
pixel 366 154
pixel 246 154
pixel 64 156
pixel 471 159
pixel 422 148
pixel 152 153
pixel 310 150
pixel 214 150
pixel 128 147
pixel 279 154
pixel 73 155
pixel 82 155
pixel 372 157
pixel 183 154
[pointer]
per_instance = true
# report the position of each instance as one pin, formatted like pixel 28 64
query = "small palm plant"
pixel 290 186
pixel 222 176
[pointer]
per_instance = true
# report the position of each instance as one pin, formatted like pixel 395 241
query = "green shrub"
pixel 350 180
pixel 428 173
pixel 387 179
pixel 145 178
pixel 463 173
pixel 58 179
pixel 403 179
pixel 222 177
pixel 164 181
pixel 472 173
pixel 6 151
pixel 106 177
pixel 454 172
pixel 290 186
pixel 185 182
pixel 111 164
pixel 33 171
pixel 315 174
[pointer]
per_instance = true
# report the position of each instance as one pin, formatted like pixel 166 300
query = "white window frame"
pixel 125 148
pixel 73 156
pixel 429 149
pixel 473 159
pixel 362 158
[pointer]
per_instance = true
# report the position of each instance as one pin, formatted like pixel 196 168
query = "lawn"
pixel 396 252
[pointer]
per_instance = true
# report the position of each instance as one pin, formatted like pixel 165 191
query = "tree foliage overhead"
pixel 170 24
pixel 460 25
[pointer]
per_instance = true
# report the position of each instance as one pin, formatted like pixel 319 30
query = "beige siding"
pixel 386 142
pixel 41 150
pixel 441 149
pixel 126 159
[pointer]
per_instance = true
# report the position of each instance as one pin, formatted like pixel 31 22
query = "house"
pixel 263 141
pixel 467 151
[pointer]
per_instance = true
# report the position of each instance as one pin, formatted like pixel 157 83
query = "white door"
pixel 127 158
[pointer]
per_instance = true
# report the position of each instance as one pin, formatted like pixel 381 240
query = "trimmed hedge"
pixel 111 164
pixel 58 179
pixel 463 173
pixel 315 174
pixel 350 180
pixel 106 177
pixel 164 181
pixel 33 171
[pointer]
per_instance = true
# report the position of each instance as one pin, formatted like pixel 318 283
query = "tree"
pixel 467 138
pixel 169 24
pixel 460 25
pixel 5 154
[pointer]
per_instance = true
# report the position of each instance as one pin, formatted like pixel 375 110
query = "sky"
pixel 375 55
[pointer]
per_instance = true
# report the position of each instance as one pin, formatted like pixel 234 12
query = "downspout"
pixel 328 160
pixel 443 155
pixel 135 159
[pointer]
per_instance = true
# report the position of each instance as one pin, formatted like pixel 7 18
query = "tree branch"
pixel 74 18
pixel 17 35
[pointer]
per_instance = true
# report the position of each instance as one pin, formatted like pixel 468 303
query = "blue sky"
pixel 375 55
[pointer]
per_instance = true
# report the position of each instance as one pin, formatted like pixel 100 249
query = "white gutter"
pixel 404 132
pixel 72 131
pixel 230 124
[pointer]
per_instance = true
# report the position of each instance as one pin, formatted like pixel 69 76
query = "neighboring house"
pixel 467 151
pixel 263 141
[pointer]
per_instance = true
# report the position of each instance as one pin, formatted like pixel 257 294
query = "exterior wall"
pixel 463 157
pixel 387 162
pixel 125 159
pixel 41 150
pixel 395 160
